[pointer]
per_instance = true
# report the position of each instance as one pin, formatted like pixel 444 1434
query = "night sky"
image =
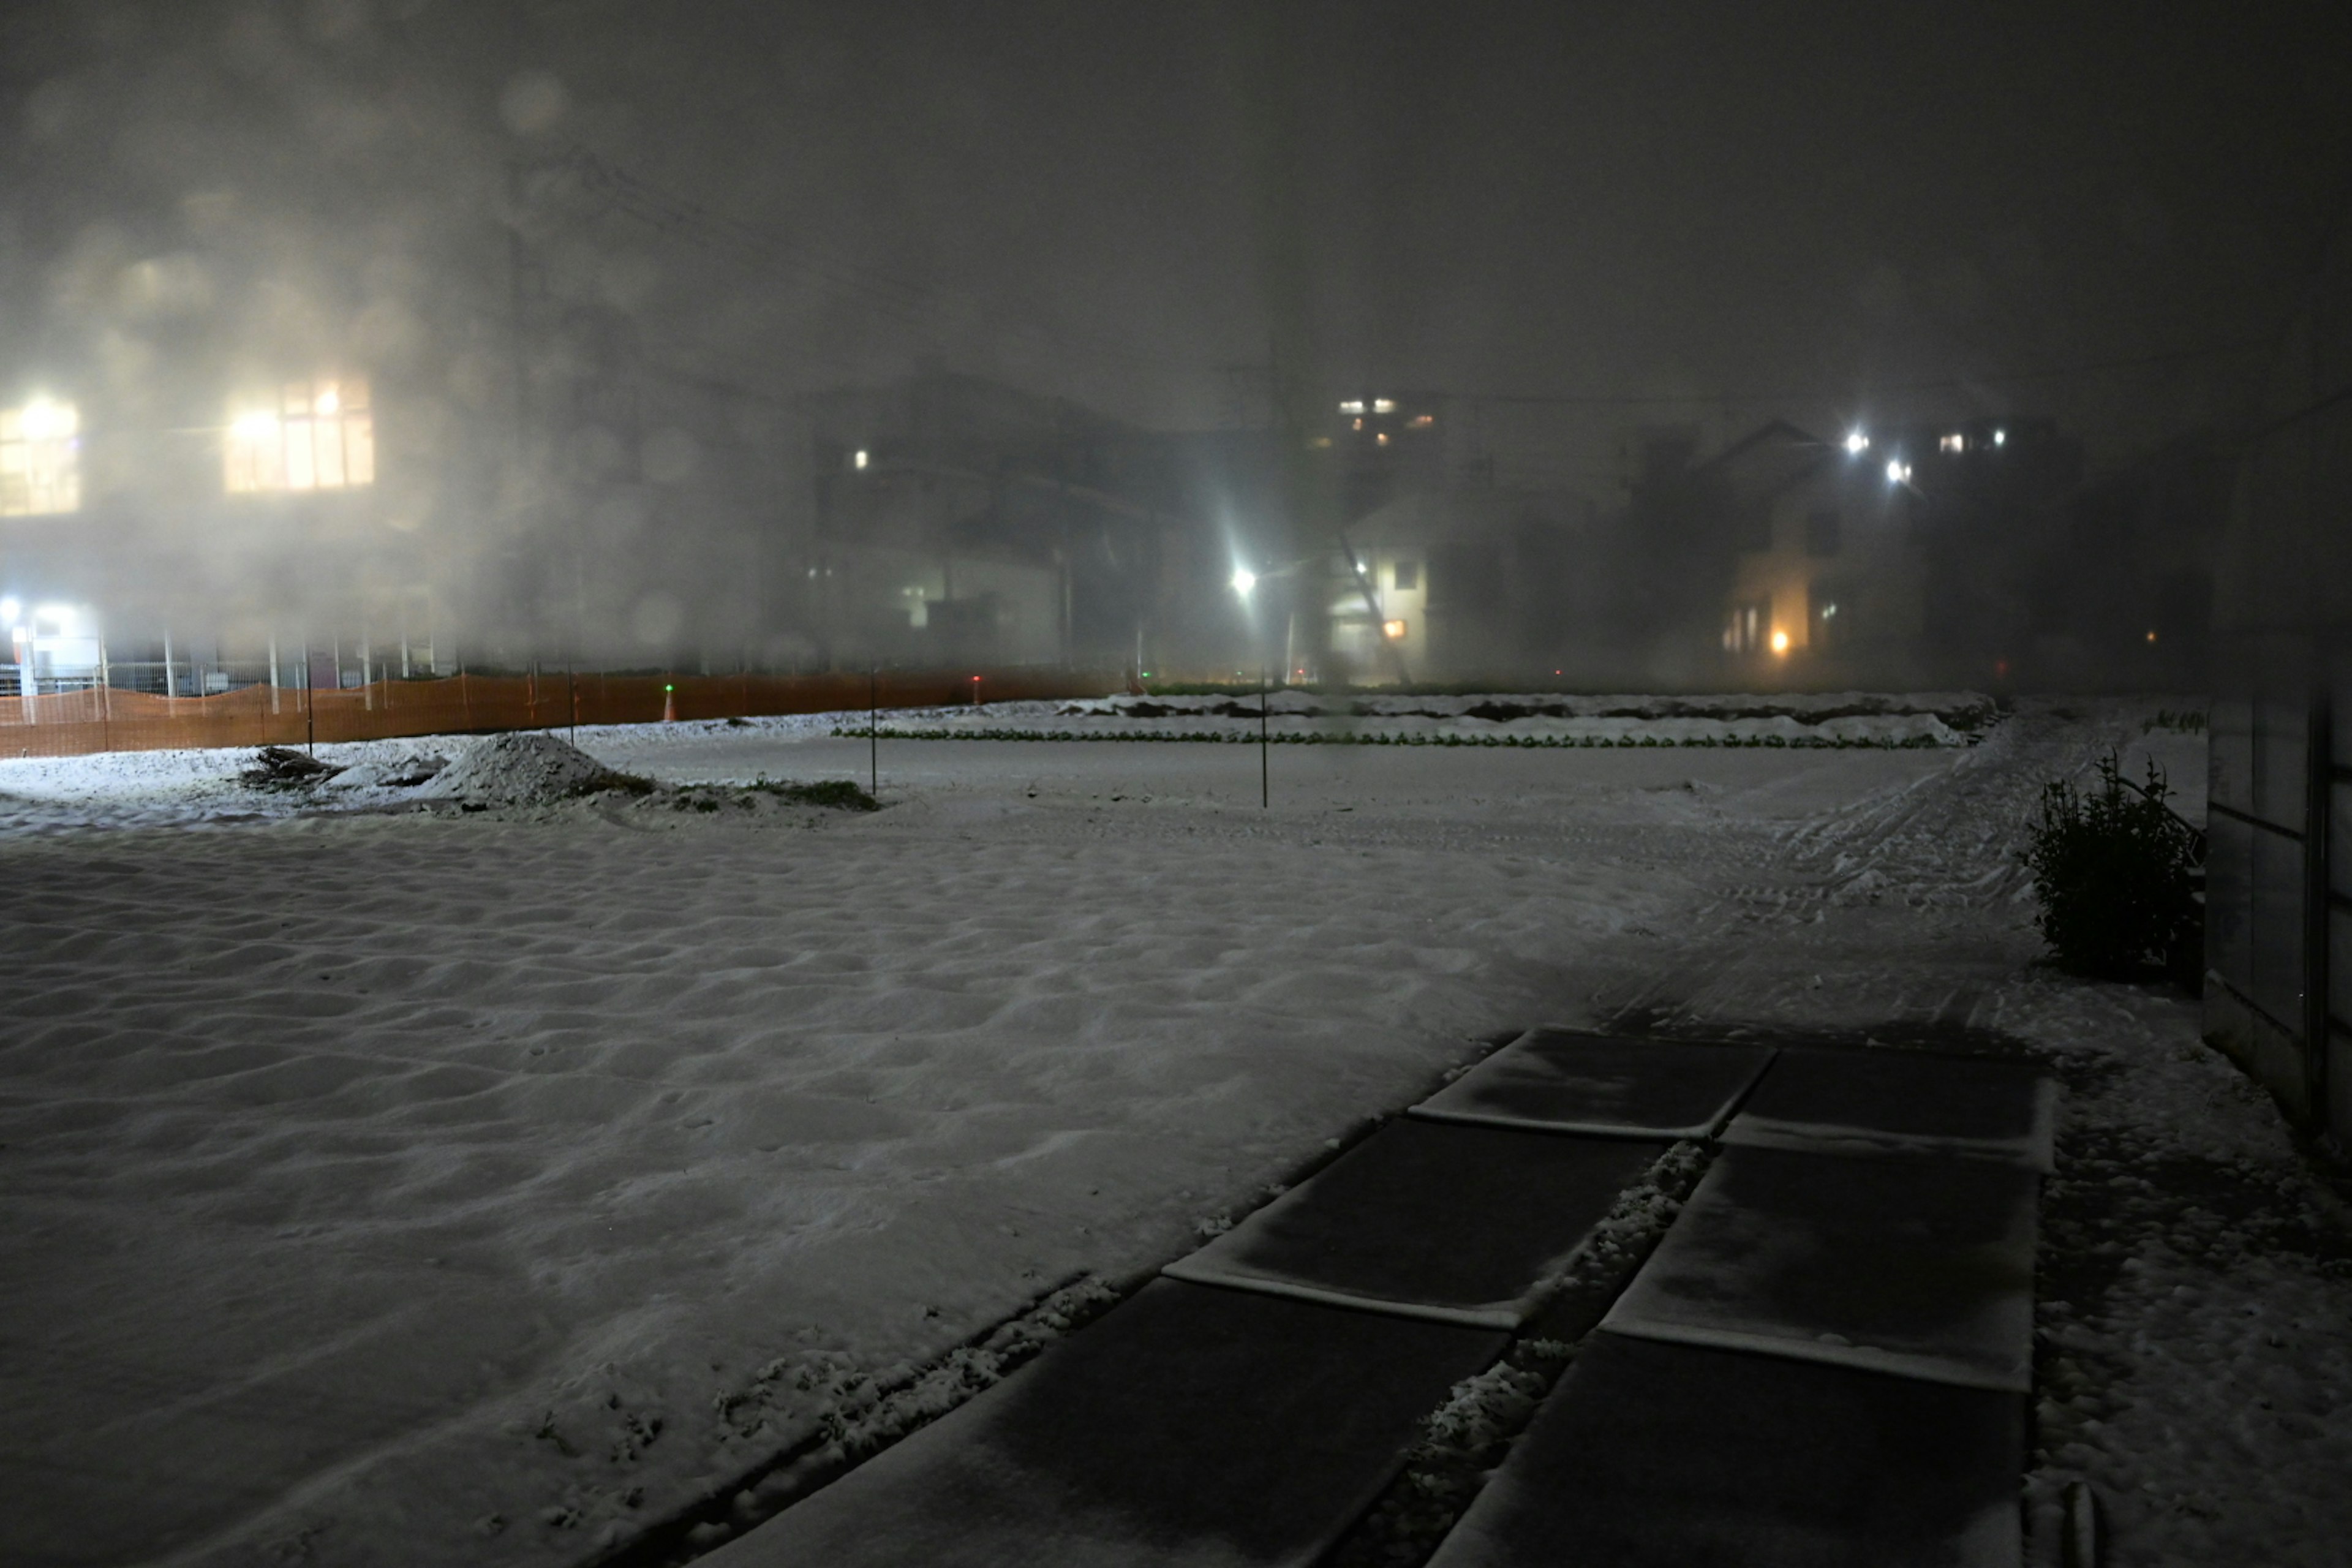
pixel 1796 209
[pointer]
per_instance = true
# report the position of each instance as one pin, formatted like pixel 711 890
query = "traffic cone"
pixel 669 704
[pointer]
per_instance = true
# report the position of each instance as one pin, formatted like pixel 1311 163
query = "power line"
pixel 1941 383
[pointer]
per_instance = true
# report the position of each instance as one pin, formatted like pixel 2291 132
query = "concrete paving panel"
pixel 1610 1085
pixel 1660 1455
pixel 1886 1101
pixel 1193 1427
pixel 1457 1224
pixel 1923 1267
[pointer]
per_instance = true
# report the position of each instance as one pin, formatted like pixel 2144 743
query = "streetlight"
pixel 1243 581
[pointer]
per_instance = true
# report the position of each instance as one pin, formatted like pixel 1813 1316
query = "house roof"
pixel 1775 456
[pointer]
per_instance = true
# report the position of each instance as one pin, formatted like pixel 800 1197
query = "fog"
pixel 802 336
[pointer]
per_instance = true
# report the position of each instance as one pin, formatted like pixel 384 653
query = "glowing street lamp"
pixel 1244 580
pixel 1856 444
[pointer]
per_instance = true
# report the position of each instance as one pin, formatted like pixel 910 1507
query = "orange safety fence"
pixel 70 723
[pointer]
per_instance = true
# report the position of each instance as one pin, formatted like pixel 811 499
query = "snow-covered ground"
pixel 388 1185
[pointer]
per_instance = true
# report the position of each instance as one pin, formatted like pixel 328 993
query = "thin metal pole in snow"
pixel 874 730
pixel 1265 787
pixel 310 706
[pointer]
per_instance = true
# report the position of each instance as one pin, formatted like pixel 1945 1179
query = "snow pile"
pixel 404 772
pixel 527 768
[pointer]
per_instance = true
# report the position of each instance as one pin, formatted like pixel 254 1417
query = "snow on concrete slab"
pixel 1903 1103
pixel 1921 1266
pixel 1566 1080
pixel 1192 1427
pixel 1664 1456
pixel 1454 1223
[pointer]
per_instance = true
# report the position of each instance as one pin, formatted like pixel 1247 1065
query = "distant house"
pixel 1464 584
pixel 956 520
pixel 1891 556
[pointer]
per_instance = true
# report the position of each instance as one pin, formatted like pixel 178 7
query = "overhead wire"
pixel 1940 383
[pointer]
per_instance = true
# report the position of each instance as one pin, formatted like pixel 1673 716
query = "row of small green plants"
pixel 1319 738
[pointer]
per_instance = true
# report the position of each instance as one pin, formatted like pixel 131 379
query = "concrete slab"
pixel 1659 1455
pixel 1454 1223
pixel 1603 1085
pixel 1192 1427
pixel 1888 1102
pixel 1923 1267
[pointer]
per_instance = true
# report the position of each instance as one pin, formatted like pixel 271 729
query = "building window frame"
pixel 40 459
pixel 313 434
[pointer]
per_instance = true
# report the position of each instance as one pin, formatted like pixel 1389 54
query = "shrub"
pixel 2116 875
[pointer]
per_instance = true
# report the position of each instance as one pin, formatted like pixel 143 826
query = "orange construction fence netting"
pixel 101 718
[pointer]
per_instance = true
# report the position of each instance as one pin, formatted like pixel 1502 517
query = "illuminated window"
pixel 1393 630
pixel 1954 444
pixel 41 459
pixel 1743 628
pixel 1423 421
pixel 318 435
pixel 1832 631
pixel 1353 406
pixel 1383 405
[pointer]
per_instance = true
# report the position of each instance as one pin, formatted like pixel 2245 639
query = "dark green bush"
pixel 2116 874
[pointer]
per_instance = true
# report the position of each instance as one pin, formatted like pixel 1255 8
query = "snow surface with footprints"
pixel 388 1185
